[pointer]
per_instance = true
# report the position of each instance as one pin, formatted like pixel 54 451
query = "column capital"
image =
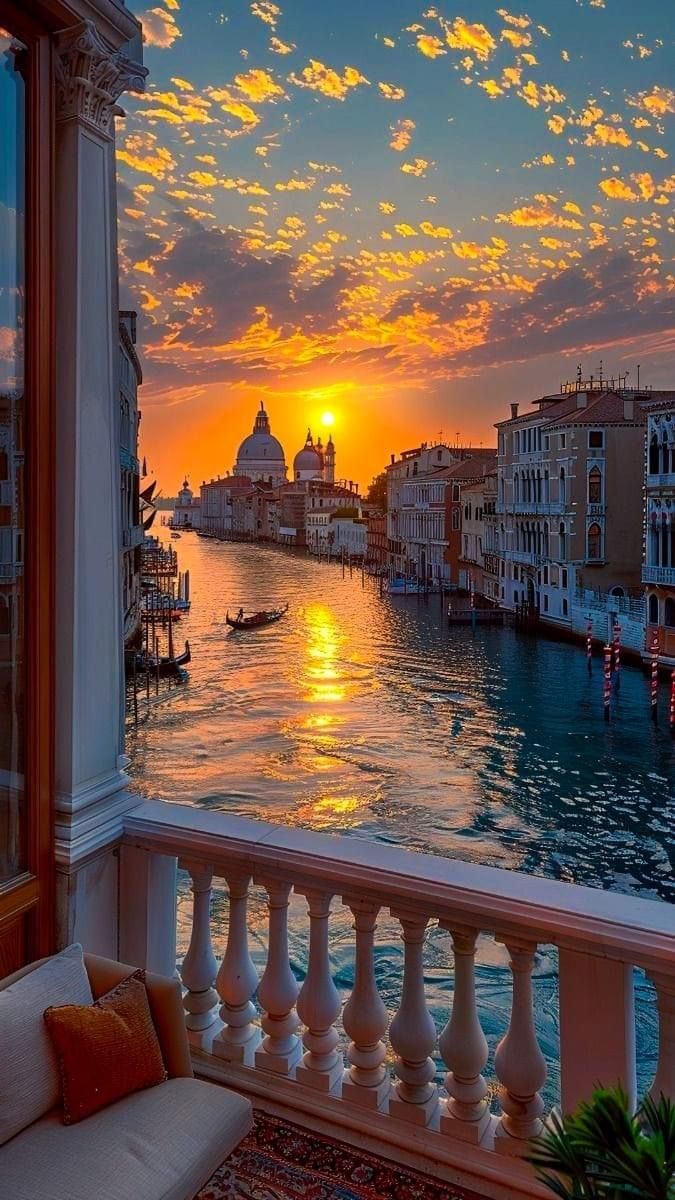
pixel 90 77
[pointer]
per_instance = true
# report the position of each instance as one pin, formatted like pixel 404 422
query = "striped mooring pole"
pixel 672 702
pixel 607 679
pixel 589 645
pixel 617 653
pixel 654 681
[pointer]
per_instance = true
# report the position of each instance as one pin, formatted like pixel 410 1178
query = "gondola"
pixel 170 666
pixel 264 617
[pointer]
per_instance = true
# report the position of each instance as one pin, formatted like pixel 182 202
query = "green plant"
pixel 604 1152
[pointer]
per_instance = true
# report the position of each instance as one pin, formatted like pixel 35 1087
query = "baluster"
pixel 322 1065
pixel 464 1048
pixel 664 1080
pixel 519 1062
pixel 365 1018
pixel 198 970
pixel 278 991
pixel 412 1033
pixel 236 982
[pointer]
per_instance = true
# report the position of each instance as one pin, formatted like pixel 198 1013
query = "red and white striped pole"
pixel 654 682
pixel 607 679
pixel 589 645
pixel 617 652
pixel 672 702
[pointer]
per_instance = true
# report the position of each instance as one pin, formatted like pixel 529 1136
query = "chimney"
pixel 582 399
pixel 393 459
pixel 628 410
pixel 514 411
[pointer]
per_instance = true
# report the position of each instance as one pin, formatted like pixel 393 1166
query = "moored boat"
pixel 256 619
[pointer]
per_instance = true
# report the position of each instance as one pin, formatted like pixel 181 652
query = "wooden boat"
pixel 170 666
pixel 256 619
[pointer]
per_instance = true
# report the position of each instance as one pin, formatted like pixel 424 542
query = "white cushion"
pixel 29 1074
pixel 160 1144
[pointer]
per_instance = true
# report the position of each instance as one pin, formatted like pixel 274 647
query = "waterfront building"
pixel 464 474
pixel 658 571
pixel 412 463
pixel 491 585
pixel 84 858
pixel 260 457
pixel 376 539
pixel 130 378
pixel 187 510
pixel 471 564
pixel 570 479
pixel 216 501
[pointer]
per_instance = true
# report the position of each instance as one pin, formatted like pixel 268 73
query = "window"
pixel 563 441
pixel 455 518
pixel 561 486
pixel 545 603
pixel 562 541
pixel 593 541
pixel 547 442
pixel 654 456
pixel 439 455
pixel 669 612
pixel 515 597
pixel 564 608
pixel 596 439
pixel 563 579
pixel 595 486
pixel 653 609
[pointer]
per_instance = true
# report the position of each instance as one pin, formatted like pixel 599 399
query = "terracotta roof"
pixel 605 407
pixel 230 481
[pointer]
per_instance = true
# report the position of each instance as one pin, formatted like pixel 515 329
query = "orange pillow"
pixel 105 1050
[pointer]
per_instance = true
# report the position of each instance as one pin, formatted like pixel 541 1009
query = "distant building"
pixel 216 501
pixel 376 539
pixel 187 510
pixel 130 378
pixel 314 461
pixel 261 456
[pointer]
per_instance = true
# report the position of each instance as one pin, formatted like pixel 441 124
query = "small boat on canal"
pixel 256 619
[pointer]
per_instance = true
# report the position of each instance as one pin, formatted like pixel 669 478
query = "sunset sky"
pixel 403 215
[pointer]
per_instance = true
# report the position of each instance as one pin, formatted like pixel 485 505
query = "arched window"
pixel 547 496
pixel 561 486
pixel 669 612
pixel 654 456
pixel 562 541
pixel 4 465
pixel 665 456
pixel 618 592
pixel 595 486
pixel 546 539
pixel 653 609
pixel 455 491
pixel 594 540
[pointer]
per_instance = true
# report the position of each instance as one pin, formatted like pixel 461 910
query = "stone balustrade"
pixel 382 1084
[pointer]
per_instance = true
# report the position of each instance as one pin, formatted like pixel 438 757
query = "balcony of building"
pixel 317 1046
pixel 665 480
pixel 658 575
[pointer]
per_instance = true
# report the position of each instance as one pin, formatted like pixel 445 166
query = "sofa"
pixel 162 1143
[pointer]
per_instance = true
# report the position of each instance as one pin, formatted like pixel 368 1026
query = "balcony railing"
pixel 525 557
pixel 658 575
pixel 536 508
pixel 663 480
pixel 292 1055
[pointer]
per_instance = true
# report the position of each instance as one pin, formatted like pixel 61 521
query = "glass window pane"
pixel 12 308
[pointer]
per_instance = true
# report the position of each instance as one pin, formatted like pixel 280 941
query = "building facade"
pixel 130 378
pixel 569 487
pixel 216 504
pixel 187 513
pixel 658 571
pixel 261 456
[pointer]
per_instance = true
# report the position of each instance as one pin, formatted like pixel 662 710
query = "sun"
pixel 328 419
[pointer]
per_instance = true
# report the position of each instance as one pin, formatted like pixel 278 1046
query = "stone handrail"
pixel 294 1055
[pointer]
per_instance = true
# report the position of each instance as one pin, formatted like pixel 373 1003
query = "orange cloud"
pixel 159 28
pixel 430 46
pixel 418 167
pixel 258 86
pixel 391 91
pixel 463 36
pixel 267 11
pixel 401 134
pixel 320 78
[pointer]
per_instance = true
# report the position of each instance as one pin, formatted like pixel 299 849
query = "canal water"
pixel 367 716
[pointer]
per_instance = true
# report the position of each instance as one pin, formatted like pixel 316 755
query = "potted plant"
pixel 602 1151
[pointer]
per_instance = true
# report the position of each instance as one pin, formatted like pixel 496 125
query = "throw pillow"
pixel 106 1050
pixel 29 1071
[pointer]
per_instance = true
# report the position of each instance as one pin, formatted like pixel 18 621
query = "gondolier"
pixel 256 619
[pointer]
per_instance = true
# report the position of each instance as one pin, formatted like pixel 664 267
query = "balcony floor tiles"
pixel 280 1160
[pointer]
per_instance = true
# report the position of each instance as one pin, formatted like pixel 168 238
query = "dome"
pixel 307 460
pixel 260 445
pixel 260 455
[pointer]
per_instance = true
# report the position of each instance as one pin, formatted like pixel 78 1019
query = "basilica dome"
pixel 308 462
pixel 261 456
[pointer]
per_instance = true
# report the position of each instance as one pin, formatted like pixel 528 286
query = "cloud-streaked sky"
pixel 406 215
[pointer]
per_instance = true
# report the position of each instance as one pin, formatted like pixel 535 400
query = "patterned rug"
pixel 280 1161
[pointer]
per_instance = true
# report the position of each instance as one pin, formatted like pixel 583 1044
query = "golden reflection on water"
pixel 323 679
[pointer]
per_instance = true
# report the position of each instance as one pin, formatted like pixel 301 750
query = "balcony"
pixel 664 575
pixel 666 480
pixel 526 557
pixel 539 508
pixel 379 1085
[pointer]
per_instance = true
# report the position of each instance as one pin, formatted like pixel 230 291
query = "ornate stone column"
pixel 90 75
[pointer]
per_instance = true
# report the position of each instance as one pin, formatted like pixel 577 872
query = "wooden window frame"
pixel 27 903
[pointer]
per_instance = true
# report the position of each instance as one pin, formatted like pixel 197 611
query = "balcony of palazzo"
pixel 316 1049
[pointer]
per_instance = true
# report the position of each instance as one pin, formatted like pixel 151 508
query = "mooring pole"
pixel 654 683
pixel 607 680
pixel 617 654
pixel 589 645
